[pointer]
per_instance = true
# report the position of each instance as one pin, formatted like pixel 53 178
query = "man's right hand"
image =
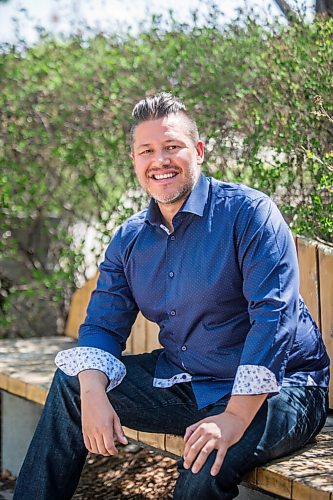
pixel 101 426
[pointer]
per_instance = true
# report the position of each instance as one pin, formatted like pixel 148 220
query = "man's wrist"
pixel 92 379
pixel 241 419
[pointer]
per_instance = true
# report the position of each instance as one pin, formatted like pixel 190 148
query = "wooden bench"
pixel 27 367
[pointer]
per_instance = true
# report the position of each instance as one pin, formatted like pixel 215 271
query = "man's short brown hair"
pixel 159 106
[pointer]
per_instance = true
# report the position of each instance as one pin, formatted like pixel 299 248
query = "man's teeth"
pixel 163 176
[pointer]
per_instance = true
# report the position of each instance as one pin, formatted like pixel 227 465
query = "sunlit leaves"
pixel 65 115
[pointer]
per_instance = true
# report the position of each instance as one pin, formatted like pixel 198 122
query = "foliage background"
pixel 261 94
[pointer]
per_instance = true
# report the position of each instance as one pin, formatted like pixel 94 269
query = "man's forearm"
pixel 245 406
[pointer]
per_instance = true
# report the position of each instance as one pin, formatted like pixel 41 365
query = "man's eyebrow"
pixel 165 142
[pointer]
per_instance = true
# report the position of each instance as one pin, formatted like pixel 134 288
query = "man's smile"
pixel 163 176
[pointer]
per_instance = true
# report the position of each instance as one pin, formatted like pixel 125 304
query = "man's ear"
pixel 200 152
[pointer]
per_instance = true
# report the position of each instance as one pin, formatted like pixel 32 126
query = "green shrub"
pixel 261 96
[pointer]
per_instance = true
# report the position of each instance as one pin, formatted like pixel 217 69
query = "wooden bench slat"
pixel 139 335
pixel 309 279
pixel 27 367
pixel 17 387
pixel 79 303
pixel 273 482
pixel 4 381
pixel 313 488
pixel 36 394
pixel 174 444
pixel 152 342
pixel 302 471
pixel 251 477
pixel 326 298
pixel 151 439
pixel 131 433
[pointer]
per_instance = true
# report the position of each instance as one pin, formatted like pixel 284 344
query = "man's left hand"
pixel 218 432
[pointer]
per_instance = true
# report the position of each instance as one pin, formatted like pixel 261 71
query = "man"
pixel 243 372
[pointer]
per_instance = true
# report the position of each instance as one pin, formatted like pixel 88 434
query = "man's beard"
pixel 182 193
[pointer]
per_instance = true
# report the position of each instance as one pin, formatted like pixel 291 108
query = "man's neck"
pixel 168 211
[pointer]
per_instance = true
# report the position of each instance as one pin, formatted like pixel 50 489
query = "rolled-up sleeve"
pixel 268 262
pixel 112 309
pixel 77 359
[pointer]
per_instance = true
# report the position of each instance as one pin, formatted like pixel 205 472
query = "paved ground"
pixel 134 474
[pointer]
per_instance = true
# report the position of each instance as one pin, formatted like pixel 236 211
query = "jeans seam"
pixel 148 408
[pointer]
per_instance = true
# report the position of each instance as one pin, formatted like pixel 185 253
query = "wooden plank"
pixel 139 335
pixel 4 381
pixel 309 279
pixel 301 472
pixel 17 387
pixel 273 482
pixel 78 307
pixel 131 433
pixel 27 366
pixel 174 444
pixel 251 477
pixel 129 344
pixel 326 298
pixel 152 330
pixel 36 394
pixel 152 439
pixel 316 490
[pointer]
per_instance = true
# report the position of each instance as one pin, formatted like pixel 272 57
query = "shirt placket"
pixel 172 274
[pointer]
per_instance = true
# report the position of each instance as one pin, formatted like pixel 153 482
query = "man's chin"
pixel 171 200
pixel 180 195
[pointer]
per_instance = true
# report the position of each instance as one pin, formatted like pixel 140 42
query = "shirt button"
pixel 172 237
pixel 171 274
pixel 173 312
pixel 184 348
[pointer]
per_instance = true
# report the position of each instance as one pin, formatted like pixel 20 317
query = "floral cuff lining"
pixel 253 379
pixel 75 360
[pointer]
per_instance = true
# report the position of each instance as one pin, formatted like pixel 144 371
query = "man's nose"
pixel 161 158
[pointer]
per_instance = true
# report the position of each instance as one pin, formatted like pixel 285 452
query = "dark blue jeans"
pixel 56 456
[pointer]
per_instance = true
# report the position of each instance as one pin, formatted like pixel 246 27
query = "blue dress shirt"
pixel 223 288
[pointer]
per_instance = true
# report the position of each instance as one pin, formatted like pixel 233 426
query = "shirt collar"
pixel 194 204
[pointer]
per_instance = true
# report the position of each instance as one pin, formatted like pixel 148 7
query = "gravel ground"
pixel 135 474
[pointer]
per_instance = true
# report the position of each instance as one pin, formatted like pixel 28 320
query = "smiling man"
pixel 242 373
pixel 167 155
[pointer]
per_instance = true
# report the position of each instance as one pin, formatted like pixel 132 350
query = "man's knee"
pixel 205 486
pixel 65 384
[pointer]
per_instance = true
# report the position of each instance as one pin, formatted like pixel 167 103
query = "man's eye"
pixel 145 152
pixel 173 146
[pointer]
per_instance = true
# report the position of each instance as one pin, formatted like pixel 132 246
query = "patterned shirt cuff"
pixel 253 379
pixel 75 360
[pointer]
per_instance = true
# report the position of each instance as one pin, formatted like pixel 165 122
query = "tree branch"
pixel 286 10
pixel 324 7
